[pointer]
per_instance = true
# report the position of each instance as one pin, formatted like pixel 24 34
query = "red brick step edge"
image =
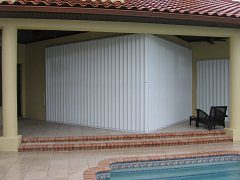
pixel 118 145
pixel 120 137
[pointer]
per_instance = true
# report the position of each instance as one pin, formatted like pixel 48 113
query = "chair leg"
pixel 209 128
pixel 197 124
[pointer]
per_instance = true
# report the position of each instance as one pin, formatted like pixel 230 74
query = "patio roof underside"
pixel 31 36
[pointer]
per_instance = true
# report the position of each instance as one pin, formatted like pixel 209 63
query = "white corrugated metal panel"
pixel 169 83
pixel 97 83
pixel 212 83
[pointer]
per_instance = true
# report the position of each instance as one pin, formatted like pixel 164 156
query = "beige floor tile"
pixel 36 176
pixel 77 176
pixel 28 127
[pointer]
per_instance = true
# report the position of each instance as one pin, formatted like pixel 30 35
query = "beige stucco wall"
pixel 35 87
pixel 204 50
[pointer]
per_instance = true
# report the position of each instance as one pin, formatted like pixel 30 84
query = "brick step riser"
pixel 120 137
pixel 121 146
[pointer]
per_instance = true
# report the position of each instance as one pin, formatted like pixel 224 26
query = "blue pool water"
pixel 210 170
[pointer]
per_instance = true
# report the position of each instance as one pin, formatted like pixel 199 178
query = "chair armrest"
pixel 193 118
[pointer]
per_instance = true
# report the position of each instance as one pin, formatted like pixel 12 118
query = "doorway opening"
pixel 19 90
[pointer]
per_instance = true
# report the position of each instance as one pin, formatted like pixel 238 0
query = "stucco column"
pixel 10 138
pixel 234 129
pixel 9 81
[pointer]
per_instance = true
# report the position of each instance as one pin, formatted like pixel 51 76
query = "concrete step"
pixel 122 137
pixel 69 146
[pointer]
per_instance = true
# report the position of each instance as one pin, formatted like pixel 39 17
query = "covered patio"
pixel 43 119
pixel 34 94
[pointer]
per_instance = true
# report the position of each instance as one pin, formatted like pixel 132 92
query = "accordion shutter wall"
pixel 213 83
pixel 170 83
pixel 120 83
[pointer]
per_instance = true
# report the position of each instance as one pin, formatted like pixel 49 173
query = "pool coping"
pixel 104 165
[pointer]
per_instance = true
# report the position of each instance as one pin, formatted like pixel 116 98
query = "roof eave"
pixel 225 21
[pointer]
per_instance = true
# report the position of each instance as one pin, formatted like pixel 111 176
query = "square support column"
pixel 10 139
pixel 234 129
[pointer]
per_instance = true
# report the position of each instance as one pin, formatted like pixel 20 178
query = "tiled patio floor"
pixel 42 128
pixel 70 165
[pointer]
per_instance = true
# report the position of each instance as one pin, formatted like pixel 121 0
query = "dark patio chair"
pixel 219 113
pixel 216 117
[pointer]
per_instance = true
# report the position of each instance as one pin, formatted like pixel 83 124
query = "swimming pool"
pixel 216 167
